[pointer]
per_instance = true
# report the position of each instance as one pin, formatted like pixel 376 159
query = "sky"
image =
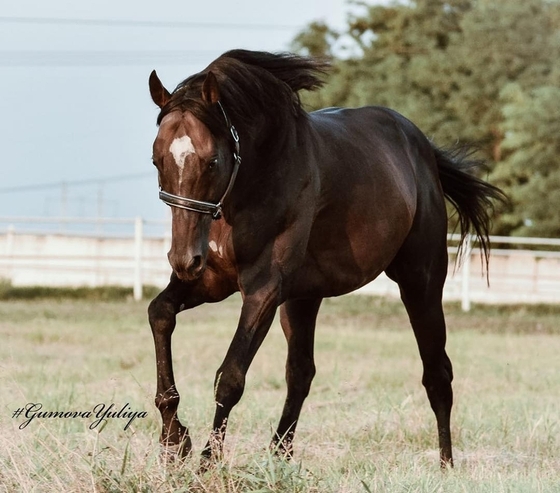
pixel 75 107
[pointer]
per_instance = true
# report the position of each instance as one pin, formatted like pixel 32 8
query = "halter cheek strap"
pixel 200 206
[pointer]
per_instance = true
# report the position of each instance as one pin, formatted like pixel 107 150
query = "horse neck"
pixel 266 152
pixel 270 140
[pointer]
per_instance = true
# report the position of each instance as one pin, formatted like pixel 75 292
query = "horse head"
pixel 196 167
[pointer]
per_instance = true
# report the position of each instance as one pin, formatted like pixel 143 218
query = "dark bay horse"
pixel 290 207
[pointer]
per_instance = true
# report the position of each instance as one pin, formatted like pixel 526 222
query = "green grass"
pixel 101 293
pixel 366 427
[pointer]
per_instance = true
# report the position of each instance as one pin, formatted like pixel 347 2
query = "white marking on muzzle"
pixel 181 147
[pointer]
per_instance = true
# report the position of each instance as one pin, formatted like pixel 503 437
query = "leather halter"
pixel 215 209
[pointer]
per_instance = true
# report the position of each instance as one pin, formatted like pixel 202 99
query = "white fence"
pixel 514 276
pixel 61 252
pixel 97 252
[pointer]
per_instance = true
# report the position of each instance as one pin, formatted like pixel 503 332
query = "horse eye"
pixel 213 163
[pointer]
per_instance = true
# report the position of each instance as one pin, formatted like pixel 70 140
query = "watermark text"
pixel 100 413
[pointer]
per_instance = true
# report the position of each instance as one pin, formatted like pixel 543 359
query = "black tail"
pixel 473 198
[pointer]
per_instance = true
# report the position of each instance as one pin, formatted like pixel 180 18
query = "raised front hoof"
pixel 174 452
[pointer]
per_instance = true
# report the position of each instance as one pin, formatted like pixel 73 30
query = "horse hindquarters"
pixel 420 269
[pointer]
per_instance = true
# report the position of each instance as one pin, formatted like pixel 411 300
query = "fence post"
pixel 466 274
pixel 10 240
pixel 10 236
pixel 138 234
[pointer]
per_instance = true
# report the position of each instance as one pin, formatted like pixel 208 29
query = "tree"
pixel 453 67
pixel 503 41
pixel 530 169
pixel 402 49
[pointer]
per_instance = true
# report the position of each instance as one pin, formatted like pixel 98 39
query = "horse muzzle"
pixel 187 268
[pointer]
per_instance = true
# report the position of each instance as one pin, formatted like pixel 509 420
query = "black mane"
pixel 251 83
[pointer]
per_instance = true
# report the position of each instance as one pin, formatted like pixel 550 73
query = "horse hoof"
pixel 206 464
pixel 173 452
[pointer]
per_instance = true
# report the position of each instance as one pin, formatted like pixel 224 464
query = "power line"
pixel 59 21
pixel 96 58
pixel 74 183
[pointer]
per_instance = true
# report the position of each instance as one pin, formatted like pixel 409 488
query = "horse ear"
pixel 210 89
pixel 160 95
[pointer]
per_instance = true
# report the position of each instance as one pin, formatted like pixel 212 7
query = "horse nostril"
pixel 195 265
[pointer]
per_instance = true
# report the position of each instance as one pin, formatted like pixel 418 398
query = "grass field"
pixel 366 427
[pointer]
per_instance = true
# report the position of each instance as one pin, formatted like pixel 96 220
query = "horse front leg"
pixel 256 317
pixel 175 439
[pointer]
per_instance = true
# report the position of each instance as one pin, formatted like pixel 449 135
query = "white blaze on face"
pixel 180 148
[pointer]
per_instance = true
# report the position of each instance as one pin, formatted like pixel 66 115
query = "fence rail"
pixel 66 251
pixel 58 251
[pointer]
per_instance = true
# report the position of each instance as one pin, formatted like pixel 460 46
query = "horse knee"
pixel 161 315
pixel 229 386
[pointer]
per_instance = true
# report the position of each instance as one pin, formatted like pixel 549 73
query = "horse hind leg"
pixel 420 273
pixel 298 318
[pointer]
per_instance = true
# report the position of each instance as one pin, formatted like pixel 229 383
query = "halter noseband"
pixel 199 205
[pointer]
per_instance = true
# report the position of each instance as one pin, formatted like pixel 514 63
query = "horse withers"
pixel 290 207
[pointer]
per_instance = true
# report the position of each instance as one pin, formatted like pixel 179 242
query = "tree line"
pixel 484 72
